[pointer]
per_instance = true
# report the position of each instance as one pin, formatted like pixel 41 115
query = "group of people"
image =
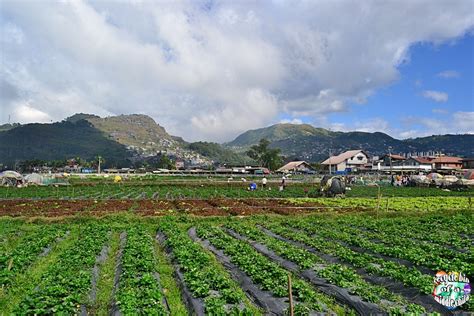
pixel 253 185
pixel 400 180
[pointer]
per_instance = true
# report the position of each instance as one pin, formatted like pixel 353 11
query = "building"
pixel 179 164
pixel 392 159
pixel 423 162
pixel 296 167
pixel 347 161
pixel 447 163
pixel 468 163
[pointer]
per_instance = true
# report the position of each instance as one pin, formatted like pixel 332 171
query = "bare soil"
pixel 149 207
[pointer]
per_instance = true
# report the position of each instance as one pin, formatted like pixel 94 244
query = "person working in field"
pixel 283 183
pixel 264 182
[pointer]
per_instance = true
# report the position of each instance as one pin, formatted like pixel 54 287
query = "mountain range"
pixel 309 143
pixel 127 138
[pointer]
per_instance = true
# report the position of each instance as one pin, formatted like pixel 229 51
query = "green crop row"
pixel 269 275
pixel 420 204
pixel 203 275
pixel 408 276
pixel 335 273
pixel 27 251
pixel 445 231
pixel 65 284
pixel 139 291
pixel 421 254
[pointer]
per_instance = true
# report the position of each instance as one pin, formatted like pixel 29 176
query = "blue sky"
pixel 401 108
pixel 210 70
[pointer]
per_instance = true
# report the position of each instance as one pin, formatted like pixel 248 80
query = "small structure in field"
pixel 10 178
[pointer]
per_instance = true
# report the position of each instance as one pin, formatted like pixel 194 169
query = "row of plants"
pixel 337 274
pixel 65 284
pixel 235 189
pixel 203 275
pixel 421 204
pixel 445 231
pixel 408 276
pixel 18 259
pixel 421 253
pixel 139 290
pixel 205 190
pixel 268 274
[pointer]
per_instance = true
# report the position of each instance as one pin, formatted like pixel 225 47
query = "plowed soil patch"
pixel 148 207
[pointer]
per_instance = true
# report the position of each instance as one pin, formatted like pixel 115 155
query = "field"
pixel 217 249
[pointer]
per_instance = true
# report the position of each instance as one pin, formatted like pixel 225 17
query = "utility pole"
pixel 330 156
pixel 390 157
pixel 98 170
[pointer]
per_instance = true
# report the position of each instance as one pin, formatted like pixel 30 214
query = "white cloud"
pixel 448 74
pixel 464 122
pixel 436 96
pixel 25 113
pixel 411 126
pixel 440 111
pixel 292 121
pixel 457 123
pixel 211 69
pixel 371 125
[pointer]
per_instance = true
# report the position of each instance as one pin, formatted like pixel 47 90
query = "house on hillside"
pixel 447 163
pixel 347 161
pixel 296 167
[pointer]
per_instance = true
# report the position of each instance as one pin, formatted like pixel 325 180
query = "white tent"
pixel 34 178
pixel 10 178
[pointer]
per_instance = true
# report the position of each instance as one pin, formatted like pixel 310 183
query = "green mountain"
pixel 57 141
pixel 219 153
pixel 315 144
pixel 125 138
pixel 277 132
pixel 119 139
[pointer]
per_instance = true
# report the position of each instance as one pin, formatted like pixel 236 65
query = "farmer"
pixel 253 186
pixel 283 183
pixel 264 182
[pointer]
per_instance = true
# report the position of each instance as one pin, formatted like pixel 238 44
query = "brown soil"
pixel 147 207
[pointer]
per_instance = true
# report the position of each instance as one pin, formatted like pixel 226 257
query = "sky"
pixel 210 70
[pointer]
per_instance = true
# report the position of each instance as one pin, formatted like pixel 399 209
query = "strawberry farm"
pixel 219 249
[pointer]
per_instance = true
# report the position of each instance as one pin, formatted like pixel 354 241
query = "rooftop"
pixel 334 160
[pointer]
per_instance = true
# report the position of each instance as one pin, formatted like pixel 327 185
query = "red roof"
pixel 423 160
pixel 396 157
pixel 447 160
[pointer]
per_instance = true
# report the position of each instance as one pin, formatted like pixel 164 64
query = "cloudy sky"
pixel 210 70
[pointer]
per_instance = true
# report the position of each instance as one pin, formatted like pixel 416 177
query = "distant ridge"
pixel 304 141
pixel 119 139
pixel 125 138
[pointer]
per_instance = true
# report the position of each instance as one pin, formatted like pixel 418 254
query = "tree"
pixel 166 163
pixel 268 157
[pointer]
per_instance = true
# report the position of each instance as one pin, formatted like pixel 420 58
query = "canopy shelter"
pixel 10 178
pixel 434 176
pixel 38 179
pixel 34 178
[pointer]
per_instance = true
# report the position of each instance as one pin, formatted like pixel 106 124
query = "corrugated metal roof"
pixel 292 165
pixel 334 160
pixel 447 160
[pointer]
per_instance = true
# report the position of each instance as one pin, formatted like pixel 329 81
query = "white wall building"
pixel 347 160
